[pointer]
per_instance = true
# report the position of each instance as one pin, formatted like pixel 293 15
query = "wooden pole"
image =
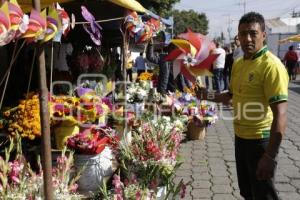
pixel 45 124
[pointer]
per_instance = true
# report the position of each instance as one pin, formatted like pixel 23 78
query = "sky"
pixel 223 15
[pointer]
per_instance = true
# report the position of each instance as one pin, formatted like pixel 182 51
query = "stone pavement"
pixel 210 163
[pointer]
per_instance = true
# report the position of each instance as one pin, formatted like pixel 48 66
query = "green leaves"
pixel 198 22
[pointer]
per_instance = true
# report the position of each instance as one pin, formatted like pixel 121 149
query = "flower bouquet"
pixel 131 189
pixel 19 181
pixel 91 141
pixel 24 119
pixel 152 153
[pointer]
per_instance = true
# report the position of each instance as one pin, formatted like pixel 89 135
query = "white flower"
pixel 189 60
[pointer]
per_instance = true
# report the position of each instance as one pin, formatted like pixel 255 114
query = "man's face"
pixel 251 38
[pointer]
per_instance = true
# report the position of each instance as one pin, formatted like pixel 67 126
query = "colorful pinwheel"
pixel 37 26
pixel 5 25
pixel 92 28
pixel 19 20
pixel 192 57
pixel 53 24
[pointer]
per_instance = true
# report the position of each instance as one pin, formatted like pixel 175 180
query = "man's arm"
pixel 278 127
pixel 267 163
pixel 224 98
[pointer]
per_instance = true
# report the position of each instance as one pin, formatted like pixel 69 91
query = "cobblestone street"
pixel 210 164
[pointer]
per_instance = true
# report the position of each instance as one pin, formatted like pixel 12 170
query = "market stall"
pixel 131 133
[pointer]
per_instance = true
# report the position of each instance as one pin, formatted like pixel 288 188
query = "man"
pixel 140 64
pixel 237 52
pixel 258 90
pixel 218 66
pixel 291 60
pixel 165 77
pixel 129 66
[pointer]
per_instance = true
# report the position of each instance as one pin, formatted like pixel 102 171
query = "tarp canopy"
pixel 129 4
pixel 294 38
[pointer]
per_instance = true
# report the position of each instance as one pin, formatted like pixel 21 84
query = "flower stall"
pixel 121 144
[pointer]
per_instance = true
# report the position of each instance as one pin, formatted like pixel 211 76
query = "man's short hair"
pixel 253 17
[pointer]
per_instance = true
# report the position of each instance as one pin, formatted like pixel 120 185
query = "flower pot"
pixel 62 133
pixel 97 168
pixel 195 132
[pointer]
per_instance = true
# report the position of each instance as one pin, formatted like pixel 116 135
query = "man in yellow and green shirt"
pixel 259 93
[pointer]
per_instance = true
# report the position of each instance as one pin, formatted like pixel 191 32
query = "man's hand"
pixel 265 167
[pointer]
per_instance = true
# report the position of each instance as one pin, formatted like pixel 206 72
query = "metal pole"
pixel 45 125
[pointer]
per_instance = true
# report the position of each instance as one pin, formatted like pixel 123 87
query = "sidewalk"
pixel 210 164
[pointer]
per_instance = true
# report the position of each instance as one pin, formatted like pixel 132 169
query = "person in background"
pixel 237 52
pixel 165 77
pixel 218 66
pixel 259 93
pixel 291 59
pixel 129 66
pixel 227 68
pixel 140 64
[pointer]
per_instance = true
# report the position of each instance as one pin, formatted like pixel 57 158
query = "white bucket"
pixel 97 168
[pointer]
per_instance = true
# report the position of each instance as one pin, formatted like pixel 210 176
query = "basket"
pixel 195 132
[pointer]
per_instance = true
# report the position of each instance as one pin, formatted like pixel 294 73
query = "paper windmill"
pixel 65 21
pixel 37 26
pixel 192 57
pixel 137 28
pixel 5 25
pixel 92 28
pixel 53 24
pixel 19 20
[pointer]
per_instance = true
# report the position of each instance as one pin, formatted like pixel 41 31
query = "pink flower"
pixel 138 195
pixel 16 168
pixel 133 179
pixel 117 185
pixel 73 188
pixel 153 184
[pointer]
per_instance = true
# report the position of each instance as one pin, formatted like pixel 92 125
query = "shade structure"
pixel 294 38
pixel 26 5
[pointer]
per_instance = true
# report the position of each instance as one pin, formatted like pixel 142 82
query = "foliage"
pixel 160 7
pixel 198 22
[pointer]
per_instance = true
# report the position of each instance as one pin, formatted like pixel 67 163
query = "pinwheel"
pixel 139 30
pixel 133 23
pixel 37 26
pixel 192 57
pixel 53 24
pixel 92 28
pixel 65 21
pixel 5 25
pixel 19 20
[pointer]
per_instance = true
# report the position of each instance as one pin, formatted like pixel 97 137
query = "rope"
pixel 30 75
pixel 8 74
pixel 100 21
pixel 12 61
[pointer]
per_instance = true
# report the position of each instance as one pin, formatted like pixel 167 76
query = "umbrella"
pixel 192 56
pixel 294 38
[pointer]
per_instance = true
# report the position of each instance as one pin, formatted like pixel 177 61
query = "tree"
pixel 197 22
pixel 161 7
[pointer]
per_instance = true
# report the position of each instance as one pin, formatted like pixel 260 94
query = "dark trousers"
pixel 247 155
pixel 129 74
pixel 218 79
pixel 292 67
